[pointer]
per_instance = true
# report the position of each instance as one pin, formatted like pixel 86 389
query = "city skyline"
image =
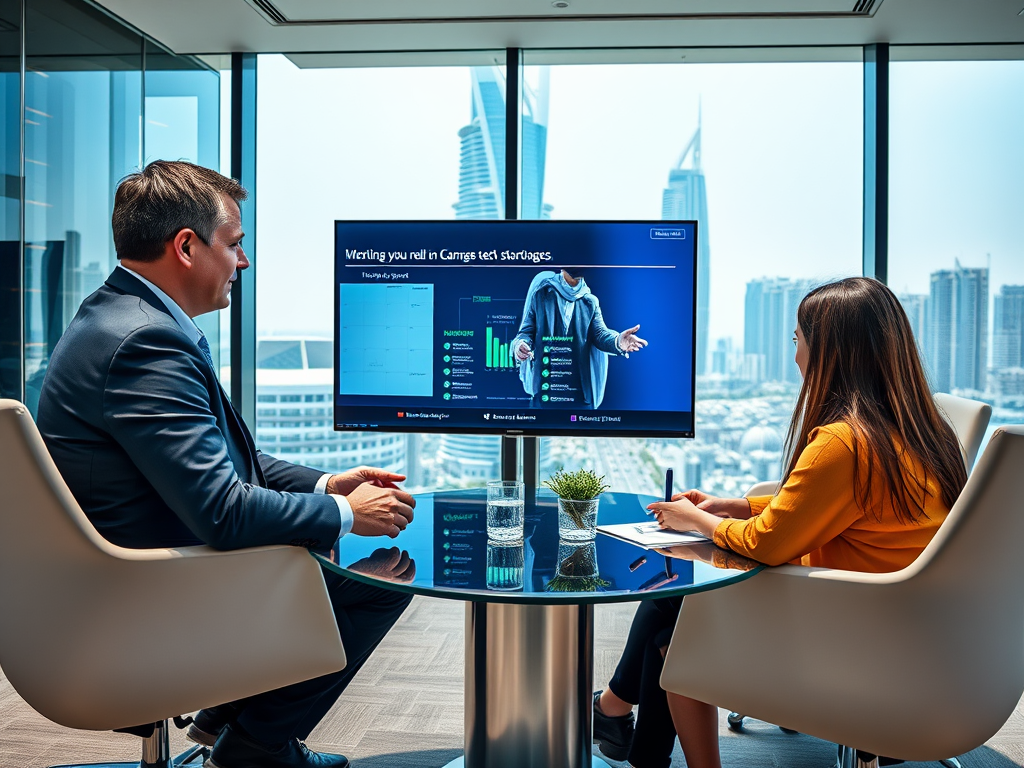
pixel 769 318
pixel 686 198
pixel 762 172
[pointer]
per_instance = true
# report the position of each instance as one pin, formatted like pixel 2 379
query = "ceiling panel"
pixel 327 11
pixel 221 26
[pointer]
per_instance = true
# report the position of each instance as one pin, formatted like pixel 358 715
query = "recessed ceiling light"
pixel 560 4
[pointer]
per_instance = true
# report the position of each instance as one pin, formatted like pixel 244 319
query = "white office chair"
pixel 98 637
pixel 969 419
pixel 919 664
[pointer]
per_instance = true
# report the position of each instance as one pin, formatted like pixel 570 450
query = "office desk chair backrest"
pixel 969 419
pixel 99 637
pixel 922 664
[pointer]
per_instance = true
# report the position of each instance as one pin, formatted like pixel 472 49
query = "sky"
pixel 782 148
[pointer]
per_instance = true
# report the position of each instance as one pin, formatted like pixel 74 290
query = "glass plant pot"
pixel 577 519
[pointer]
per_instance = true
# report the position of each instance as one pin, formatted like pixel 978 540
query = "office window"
pixel 10 211
pixel 767 157
pixel 82 115
pixel 364 143
pixel 182 122
pixel 956 234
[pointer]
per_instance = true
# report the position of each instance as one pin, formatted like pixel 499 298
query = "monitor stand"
pixel 520 460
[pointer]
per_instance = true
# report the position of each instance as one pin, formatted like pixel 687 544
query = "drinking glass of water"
pixel 505 501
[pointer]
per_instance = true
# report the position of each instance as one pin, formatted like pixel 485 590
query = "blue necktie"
pixel 204 345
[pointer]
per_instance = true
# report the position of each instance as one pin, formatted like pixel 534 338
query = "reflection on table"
pixel 445 552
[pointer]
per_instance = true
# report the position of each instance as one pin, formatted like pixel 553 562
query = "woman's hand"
pixel 683 515
pixel 680 514
pixel 736 508
pixel 706 552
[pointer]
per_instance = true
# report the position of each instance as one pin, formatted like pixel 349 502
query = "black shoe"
pixel 233 750
pixel 613 735
pixel 208 723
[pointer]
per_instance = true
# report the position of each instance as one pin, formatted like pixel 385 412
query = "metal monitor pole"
pixel 519 459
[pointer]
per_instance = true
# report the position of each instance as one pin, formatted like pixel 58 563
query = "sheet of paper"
pixel 650 535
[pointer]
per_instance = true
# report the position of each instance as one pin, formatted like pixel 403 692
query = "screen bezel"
pixel 340 426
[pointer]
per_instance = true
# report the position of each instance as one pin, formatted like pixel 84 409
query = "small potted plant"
pixel 578 494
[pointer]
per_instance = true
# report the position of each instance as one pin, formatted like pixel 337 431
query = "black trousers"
pixel 637 680
pixel 364 614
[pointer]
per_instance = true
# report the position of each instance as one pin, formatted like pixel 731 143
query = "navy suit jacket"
pixel 146 439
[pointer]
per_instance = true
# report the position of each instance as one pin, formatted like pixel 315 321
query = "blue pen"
pixel 668 488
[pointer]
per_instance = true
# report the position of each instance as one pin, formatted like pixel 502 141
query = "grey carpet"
pixel 404 710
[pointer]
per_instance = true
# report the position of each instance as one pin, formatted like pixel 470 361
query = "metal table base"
pixel 529 686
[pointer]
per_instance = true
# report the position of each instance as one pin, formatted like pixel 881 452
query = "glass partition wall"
pixel 89 104
pixel 11 294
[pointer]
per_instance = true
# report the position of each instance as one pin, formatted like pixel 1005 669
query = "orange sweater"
pixel 815 520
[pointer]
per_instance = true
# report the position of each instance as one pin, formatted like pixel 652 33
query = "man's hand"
pixel 523 351
pixel 380 511
pixel 389 564
pixel 344 483
pixel 628 341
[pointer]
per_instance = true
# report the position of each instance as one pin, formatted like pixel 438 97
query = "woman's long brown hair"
pixel 863 369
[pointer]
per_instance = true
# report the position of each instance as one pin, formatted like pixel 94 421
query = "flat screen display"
pixel 516 327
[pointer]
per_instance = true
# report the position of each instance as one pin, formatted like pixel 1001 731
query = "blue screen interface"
pixel 515 327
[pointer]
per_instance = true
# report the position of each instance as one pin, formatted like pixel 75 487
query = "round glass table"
pixel 529 615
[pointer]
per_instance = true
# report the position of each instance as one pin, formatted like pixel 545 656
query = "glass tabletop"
pixel 445 553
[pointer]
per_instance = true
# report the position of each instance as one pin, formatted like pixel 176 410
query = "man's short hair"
pixel 165 197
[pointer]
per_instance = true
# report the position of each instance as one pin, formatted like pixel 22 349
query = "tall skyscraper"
pixel 471 459
pixel 686 198
pixel 482 157
pixel 957 330
pixel 1008 328
pixel 916 307
pixel 769 319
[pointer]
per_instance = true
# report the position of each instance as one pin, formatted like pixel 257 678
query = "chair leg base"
pixel 849 757
pixel 190 758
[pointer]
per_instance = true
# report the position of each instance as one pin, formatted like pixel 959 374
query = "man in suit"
pixel 145 437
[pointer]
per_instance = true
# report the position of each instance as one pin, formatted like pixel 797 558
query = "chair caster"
pixel 735 720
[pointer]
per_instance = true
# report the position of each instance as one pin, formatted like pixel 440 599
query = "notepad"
pixel 650 535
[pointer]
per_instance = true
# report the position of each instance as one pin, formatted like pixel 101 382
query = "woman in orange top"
pixel 876 474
